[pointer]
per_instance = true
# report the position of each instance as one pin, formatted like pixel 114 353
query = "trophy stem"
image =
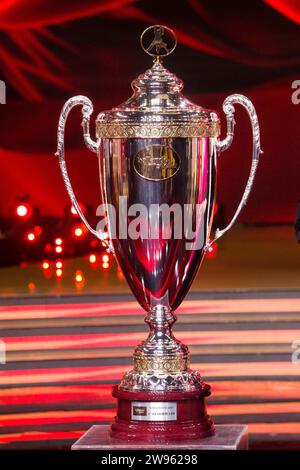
pixel 161 352
pixel 161 362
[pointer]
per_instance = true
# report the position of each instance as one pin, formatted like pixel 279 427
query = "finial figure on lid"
pixel 161 41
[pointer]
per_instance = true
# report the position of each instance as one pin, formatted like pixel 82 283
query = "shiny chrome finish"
pixel 157 109
pixel 160 272
pixel 87 109
pixel 161 362
pixel 158 149
pixel 225 144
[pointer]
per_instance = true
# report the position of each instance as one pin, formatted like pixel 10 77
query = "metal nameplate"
pixel 156 162
pixel 153 411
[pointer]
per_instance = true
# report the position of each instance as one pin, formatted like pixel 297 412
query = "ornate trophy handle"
pixel 224 144
pixel 87 109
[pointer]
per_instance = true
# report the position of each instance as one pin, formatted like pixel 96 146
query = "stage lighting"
pixel 74 211
pixel 58 272
pixel 105 258
pixel 92 259
pixel 58 249
pixel 58 264
pixel 24 210
pixel 46 265
pixel 105 237
pixel 79 277
pixel 58 241
pixel 30 236
pixel 105 265
pixel 78 232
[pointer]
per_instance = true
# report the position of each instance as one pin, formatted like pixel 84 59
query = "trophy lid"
pixel 157 107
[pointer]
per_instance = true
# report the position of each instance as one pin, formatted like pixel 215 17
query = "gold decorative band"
pixel 161 364
pixel 157 130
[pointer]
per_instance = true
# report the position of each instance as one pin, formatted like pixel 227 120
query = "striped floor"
pixel 61 359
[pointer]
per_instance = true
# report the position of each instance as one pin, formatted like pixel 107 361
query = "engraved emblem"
pixel 156 162
pixel 139 411
pixel 158 41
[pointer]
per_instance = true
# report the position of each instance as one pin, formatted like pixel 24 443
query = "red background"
pixel 53 50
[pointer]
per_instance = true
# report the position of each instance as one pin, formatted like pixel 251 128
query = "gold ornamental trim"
pixel 160 364
pixel 157 130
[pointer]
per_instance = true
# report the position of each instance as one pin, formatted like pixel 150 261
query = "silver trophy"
pixel 159 149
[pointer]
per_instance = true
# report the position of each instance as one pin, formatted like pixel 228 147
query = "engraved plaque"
pixel 156 162
pixel 154 411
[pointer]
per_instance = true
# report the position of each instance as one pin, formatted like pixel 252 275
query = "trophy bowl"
pixel 158 155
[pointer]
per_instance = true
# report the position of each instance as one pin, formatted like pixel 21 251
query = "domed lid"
pixel 157 107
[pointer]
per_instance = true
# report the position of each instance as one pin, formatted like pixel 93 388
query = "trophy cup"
pixel 158 151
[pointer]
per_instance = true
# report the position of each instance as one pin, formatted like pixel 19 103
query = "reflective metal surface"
pixel 158 152
pixel 160 271
pixel 161 362
pixel 157 108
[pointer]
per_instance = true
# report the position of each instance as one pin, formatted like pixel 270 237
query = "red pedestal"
pixel 161 416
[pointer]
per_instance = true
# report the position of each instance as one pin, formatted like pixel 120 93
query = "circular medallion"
pixel 158 41
pixel 156 162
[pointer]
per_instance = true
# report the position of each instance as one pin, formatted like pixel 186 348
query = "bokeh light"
pixel 79 277
pixel 24 210
pixel 31 236
pixel 92 258
pixel 78 232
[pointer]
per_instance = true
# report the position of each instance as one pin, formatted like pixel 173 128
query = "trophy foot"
pixel 162 381
pixel 161 416
pixel 161 399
